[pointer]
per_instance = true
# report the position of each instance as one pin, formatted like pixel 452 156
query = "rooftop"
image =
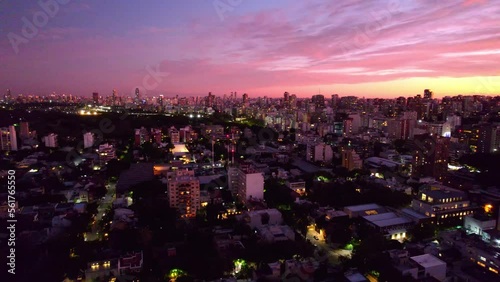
pixel 428 260
pixel 386 219
pixel 438 191
pixel 179 148
pixel 363 207
pixel 413 214
pixel 381 161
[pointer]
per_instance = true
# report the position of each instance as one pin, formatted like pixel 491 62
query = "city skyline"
pixel 263 49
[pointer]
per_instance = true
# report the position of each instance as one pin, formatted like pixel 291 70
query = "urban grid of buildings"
pixel 413 146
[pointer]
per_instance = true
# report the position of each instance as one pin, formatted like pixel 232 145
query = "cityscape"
pixel 287 155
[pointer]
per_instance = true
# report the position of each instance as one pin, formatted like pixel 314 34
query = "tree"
pixel 369 252
pixel 115 167
pixel 422 231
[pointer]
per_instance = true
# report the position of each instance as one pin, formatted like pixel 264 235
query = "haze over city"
pixel 262 48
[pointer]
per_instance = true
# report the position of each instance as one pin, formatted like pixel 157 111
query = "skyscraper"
pixel 137 97
pixel 427 94
pixel 286 99
pixel 114 97
pixel 160 102
pixel 95 98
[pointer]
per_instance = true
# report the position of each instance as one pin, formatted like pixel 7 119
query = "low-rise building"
pixel 276 233
pixel 443 204
pixel 262 217
pixel 389 224
pixel 419 267
pixel 298 187
pixel 478 224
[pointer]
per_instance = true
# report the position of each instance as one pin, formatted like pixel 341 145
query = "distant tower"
pixel 8 96
pixel 318 101
pixel 245 98
pixel 95 98
pixel 210 100
pixel 335 100
pixel 114 97
pixel 137 96
pixel 286 99
pixel 160 102
pixel 427 94
pixel 293 101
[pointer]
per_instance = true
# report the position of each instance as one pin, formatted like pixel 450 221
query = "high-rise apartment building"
pixel 335 101
pixel 106 153
pixel 246 183
pixel 174 135
pixel 286 99
pixel 8 138
pixel 184 192
pixel 88 140
pixel 400 128
pixel 24 131
pixel 141 136
pixel 323 153
pixel 318 101
pixel 431 156
pixel 487 143
pixel 351 160
pixel 50 140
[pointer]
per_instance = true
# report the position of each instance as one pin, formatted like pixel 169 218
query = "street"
pixel 104 205
pixel 320 243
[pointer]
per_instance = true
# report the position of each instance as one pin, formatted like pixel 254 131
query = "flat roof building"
pixel 390 224
pixel 443 204
pixel 363 210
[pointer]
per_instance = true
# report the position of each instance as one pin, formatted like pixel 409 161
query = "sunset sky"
pixel 261 47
